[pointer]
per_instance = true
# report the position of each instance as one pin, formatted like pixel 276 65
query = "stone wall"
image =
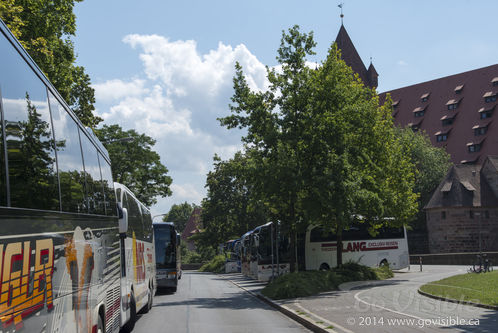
pixel 454 230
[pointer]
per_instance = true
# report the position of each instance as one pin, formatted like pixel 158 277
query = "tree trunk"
pixel 339 246
pixel 292 235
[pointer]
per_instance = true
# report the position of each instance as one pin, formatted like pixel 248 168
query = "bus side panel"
pixel 57 280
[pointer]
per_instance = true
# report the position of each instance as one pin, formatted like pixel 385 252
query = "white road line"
pixel 321 318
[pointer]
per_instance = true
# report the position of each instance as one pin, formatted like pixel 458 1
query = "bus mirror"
pixel 123 221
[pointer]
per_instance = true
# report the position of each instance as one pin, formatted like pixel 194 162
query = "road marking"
pixel 335 325
pixel 357 297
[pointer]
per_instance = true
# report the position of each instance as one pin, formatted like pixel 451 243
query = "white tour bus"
pixel 138 268
pixel 390 246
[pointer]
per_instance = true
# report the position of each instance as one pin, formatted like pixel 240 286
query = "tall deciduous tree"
pixel 327 152
pixel 179 214
pixel 135 164
pixel 230 208
pixel 44 28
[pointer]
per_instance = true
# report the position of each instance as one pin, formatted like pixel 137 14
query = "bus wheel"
pixel 324 267
pixel 128 327
pixel 383 263
pixel 100 325
pixel 149 302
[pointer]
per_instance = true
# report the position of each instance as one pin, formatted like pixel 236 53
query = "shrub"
pixel 216 265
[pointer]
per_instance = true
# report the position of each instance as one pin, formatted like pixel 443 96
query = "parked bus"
pixel 245 253
pixel 389 246
pixel 59 245
pixel 231 250
pixel 168 259
pixel 138 272
pixel 270 252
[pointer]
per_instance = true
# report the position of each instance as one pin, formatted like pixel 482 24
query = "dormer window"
pixel 395 104
pixel 452 104
pixel 425 97
pixel 494 82
pixel 490 96
pixel 480 129
pixel 459 89
pixel 447 120
pixel 442 136
pixel 419 111
pixel 486 112
pixel 474 148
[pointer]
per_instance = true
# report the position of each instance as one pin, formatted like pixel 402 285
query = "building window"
pixel 480 130
pixel 452 106
pixel 490 99
pixel 425 97
pixel 447 121
pixel 471 214
pixel 474 148
pixel 486 114
pixel 458 89
pixel 419 113
pixel 442 137
pixel 443 215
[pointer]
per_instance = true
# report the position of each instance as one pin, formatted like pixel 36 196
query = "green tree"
pixel 326 152
pixel 431 165
pixel 230 208
pixel 44 28
pixel 135 164
pixel 179 214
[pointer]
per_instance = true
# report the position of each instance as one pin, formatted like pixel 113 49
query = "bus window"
pixel 69 159
pixel 134 216
pixel 107 183
pixel 320 235
pixel 28 131
pixel 94 190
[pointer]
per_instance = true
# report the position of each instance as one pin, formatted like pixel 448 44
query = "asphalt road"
pixel 208 303
pixel 395 306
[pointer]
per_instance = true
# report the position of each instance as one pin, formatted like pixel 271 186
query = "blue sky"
pixel 165 68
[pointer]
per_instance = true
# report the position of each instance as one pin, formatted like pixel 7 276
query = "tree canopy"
pixel 325 151
pixel 45 28
pixel 179 214
pixel 135 164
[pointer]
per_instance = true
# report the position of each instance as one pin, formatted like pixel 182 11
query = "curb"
pixel 301 320
pixel 479 305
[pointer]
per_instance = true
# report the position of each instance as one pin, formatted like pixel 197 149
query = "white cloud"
pixel 177 100
pixel 402 63
pixel 116 89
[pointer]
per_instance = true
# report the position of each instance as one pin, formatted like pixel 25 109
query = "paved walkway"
pixel 392 305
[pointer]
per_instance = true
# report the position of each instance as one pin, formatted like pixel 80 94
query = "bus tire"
pixel 100 324
pixel 150 300
pixel 324 267
pixel 128 327
pixel 383 263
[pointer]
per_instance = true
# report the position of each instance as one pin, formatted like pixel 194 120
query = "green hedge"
pixel 216 265
pixel 307 283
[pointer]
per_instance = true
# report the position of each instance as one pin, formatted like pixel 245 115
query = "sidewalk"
pixel 292 308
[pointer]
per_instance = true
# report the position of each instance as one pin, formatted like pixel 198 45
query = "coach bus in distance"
pixel 389 246
pixel 231 250
pixel 138 269
pixel 59 242
pixel 168 255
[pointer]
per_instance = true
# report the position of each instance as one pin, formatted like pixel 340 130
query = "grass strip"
pixel 478 288
pixel 308 283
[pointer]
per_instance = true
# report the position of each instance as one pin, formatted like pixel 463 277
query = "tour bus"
pixel 389 246
pixel 245 253
pixel 270 251
pixel 138 273
pixel 231 250
pixel 168 259
pixel 59 245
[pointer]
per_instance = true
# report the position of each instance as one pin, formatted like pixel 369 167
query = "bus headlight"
pixel 172 275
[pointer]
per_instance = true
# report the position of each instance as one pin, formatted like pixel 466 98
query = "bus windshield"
pixel 165 244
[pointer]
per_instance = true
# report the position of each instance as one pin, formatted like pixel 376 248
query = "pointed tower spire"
pixel 342 15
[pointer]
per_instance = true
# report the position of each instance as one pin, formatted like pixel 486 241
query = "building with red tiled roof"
pixel 457 112
pixel 193 226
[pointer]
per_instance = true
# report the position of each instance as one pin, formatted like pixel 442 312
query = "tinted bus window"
pixel 165 246
pixel 134 216
pixel 109 196
pixel 27 124
pixel 69 159
pixel 94 189
pixel 320 235
pixel 147 221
